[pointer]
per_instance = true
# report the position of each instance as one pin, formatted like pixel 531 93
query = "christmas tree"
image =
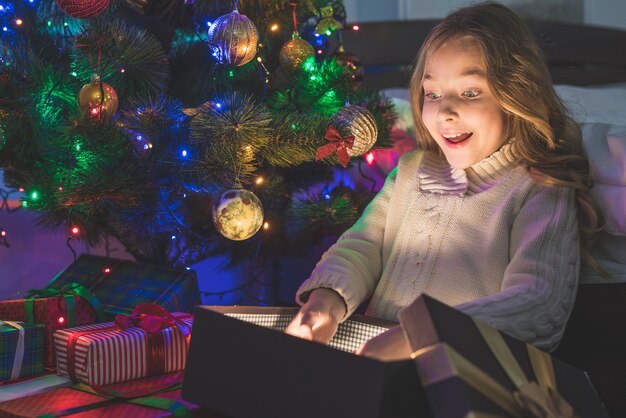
pixel 185 129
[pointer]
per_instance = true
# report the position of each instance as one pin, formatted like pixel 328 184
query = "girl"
pixel 487 216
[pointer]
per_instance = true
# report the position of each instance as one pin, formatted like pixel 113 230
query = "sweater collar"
pixel 437 176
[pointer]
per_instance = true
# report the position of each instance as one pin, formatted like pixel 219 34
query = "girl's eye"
pixel 432 96
pixel 470 94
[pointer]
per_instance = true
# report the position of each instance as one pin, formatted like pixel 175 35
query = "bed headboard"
pixel 577 54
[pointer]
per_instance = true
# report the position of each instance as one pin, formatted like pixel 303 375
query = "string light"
pixel 75 230
pixel 19 22
pixel 61 320
pixel 260 180
pixel 266 226
pixel 274 27
pixel 106 270
pixel 369 158
pixel 355 27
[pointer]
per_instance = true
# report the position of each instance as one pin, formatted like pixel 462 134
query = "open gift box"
pixel 241 365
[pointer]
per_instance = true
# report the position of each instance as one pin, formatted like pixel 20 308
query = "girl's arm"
pixel 539 285
pixel 353 265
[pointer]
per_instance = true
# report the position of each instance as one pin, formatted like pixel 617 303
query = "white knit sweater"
pixel 487 240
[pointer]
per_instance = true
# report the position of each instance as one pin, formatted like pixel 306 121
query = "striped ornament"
pixel 82 9
pixel 105 354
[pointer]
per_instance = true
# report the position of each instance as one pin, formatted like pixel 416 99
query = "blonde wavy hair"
pixel 548 142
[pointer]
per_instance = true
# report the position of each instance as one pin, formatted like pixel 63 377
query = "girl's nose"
pixel 447 110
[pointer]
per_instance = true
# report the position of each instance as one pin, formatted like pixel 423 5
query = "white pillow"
pixel 605 104
pixel 605 146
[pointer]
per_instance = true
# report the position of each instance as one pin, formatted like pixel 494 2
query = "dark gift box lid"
pixel 120 285
pixel 455 353
pixel 241 369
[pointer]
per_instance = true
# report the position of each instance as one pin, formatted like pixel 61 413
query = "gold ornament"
pixel 327 23
pixel 238 214
pixel 233 38
pixel 97 99
pixel 294 53
pixel 358 122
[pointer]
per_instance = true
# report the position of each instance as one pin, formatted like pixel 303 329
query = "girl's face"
pixel 459 109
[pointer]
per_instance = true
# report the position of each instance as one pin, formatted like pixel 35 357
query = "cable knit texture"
pixel 487 240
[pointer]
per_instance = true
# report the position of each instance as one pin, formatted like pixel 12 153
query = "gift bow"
pixel 337 144
pixel 150 317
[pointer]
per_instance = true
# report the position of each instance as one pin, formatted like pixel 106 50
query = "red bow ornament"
pixel 337 144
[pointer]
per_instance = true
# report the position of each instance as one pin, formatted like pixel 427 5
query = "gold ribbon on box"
pixel 538 399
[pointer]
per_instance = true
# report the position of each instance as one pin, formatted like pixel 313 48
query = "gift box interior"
pixel 241 369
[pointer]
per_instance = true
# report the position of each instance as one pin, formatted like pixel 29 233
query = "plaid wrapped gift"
pixel 120 285
pixel 103 354
pixel 80 401
pixel 20 360
pixel 52 313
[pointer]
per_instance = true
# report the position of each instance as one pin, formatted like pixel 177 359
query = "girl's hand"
pixel 318 319
pixel 389 346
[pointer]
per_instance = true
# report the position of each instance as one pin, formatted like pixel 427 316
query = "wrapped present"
pixel 54 309
pixel 120 285
pixel 488 373
pixel 148 342
pixel 21 350
pixel 241 353
pixel 81 401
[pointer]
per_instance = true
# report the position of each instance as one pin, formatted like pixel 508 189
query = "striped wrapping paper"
pixel 104 354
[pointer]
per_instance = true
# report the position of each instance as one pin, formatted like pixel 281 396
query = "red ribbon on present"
pixel 148 316
pixel 337 144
